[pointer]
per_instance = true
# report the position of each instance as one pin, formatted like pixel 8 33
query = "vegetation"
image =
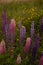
pixel 25 12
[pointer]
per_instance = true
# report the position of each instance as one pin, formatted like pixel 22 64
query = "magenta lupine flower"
pixel 12 27
pixel 27 45
pixel 41 60
pixel 2 47
pixel 19 25
pixel 32 29
pixel 22 34
pixel 3 22
pixel 36 44
pixel 18 61
pixel 41 26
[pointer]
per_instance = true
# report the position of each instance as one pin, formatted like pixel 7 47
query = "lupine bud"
pixel 27 46
pixel 22 34
pixel 19 25
pixel 12 29
pixel 2 47
pixel 41 60
pixel 18 61
pixel 41 26
pixel 36 44
pixel 3 22
pixel 32 29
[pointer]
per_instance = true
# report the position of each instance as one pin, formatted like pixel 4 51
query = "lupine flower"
pixel 3 22
pixel 12 29
pixel 41 26
pixel 32 29
pixel 36 44
pixel 27 46
pixel 41 60
pixel 19 25
pixel 7 31
pixel 22 34
pixel 2 47
pixel 18 61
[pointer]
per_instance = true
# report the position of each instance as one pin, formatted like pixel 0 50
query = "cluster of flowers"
pixel 8 31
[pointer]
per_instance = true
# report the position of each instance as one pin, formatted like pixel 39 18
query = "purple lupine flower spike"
pixel 22 34
pixel 3 22
pixel 7 32
pixel 41 26
pixel 32 29
pixel 19 25
pixel 36 44
pixel 41 60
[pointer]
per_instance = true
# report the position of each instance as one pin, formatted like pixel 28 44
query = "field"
pixel 26 13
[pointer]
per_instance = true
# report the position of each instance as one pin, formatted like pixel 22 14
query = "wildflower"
pixel 2 47
pixel 7 31
pixel 18 61
pixel 22 34
pixel 12 27
pixel 3 22
pixel 27 45
pixel 36 44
